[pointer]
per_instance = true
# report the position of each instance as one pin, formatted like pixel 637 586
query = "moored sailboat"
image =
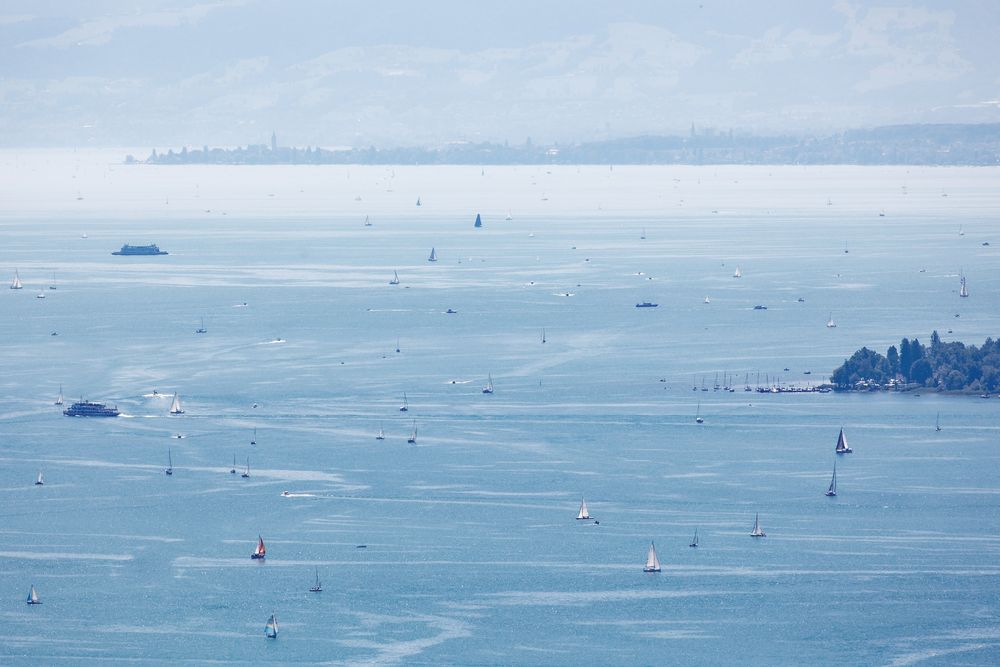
pixel 757 530
pixel 261 551
pixel 652 562
pixel 246 473
pixel 842 447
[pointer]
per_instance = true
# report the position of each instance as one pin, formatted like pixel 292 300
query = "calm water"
pixel 473 554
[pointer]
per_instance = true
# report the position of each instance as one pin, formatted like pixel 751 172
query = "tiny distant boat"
pixel 397 346
pixel 642 237
pixel 232 471
pixel 368 223
pixel 846 251
pixel 583 514
pixel 175 405
pixel 40 295
pixel 170 464
pixel 33 596
pixel 760 307
pixel 450 311
pixel 246 473
pixel 16 283
pixel 318 586
pixel 260 552
pixel 39 481
pixel 937 422
pixel 405 407
pixel 698 419
pixel 253 438
pixel 830 324
pixel 59 399
pixel 842 447
pixel 707 300
pixel 202 328
pixel 543 334
pixel 488 389
pixel 433 256
pixel 652 562
pixel 757 530
pixel 271 629
pixel 646 304
pixel 395 279
pixel 737 273
pixel 963 291
pixel 832 489
pixel 508 218
pixel 961 232
pixel 418 201
pixel 479 221
pixel 413 436
pixel 380 435
pixel 694 540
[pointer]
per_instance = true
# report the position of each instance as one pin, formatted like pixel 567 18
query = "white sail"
pixel 830 324
pixel 59 400
pixel 175 406
pixel 40 480
pixel 737 273
pixel 652 562
pixel 33 596
pixel 381 433
pixel 16 284
pixel 395 278
pixel 964 289
pixel 584 514
pixel 757 530
pixel 842 447
pixel 433 256
pixel 488 389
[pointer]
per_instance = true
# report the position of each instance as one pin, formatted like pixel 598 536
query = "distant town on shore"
pixel 953 144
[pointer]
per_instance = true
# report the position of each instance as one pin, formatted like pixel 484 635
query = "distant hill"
pixel 896 144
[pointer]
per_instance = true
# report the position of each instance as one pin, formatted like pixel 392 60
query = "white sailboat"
pixel 16 284
pixel 395 278
pixel 488 389
pixel 368 223
pixel 39 481
pixel 433 255
pixel 380 435
pixel 738 273
pixel 963 291
pixel 584 514
pixel 318 586
pixel 413 436
pixel 508 218
pixel 652 562
pixel 175 405
pixel 170 464
pixel 757 530
pixel 830 324
pixel 698 419
pixel 405 407
pixel 832 489
pixel 246 473
pixel 842 447
pixel 271 629
pixel 33 596
pixel 59 399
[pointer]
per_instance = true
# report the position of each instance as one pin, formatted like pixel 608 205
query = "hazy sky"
pixel 336 73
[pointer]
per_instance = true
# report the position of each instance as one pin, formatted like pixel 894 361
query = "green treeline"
pixel 945 366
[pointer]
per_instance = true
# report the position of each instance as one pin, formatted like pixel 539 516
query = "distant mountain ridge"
pixel 944 144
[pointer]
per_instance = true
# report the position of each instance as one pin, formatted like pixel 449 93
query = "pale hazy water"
pixel 473 555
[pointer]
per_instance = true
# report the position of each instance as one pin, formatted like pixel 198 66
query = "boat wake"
pixel 458 381
pixel 289 494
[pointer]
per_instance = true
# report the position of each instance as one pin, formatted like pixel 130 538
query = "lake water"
pixel 472 552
